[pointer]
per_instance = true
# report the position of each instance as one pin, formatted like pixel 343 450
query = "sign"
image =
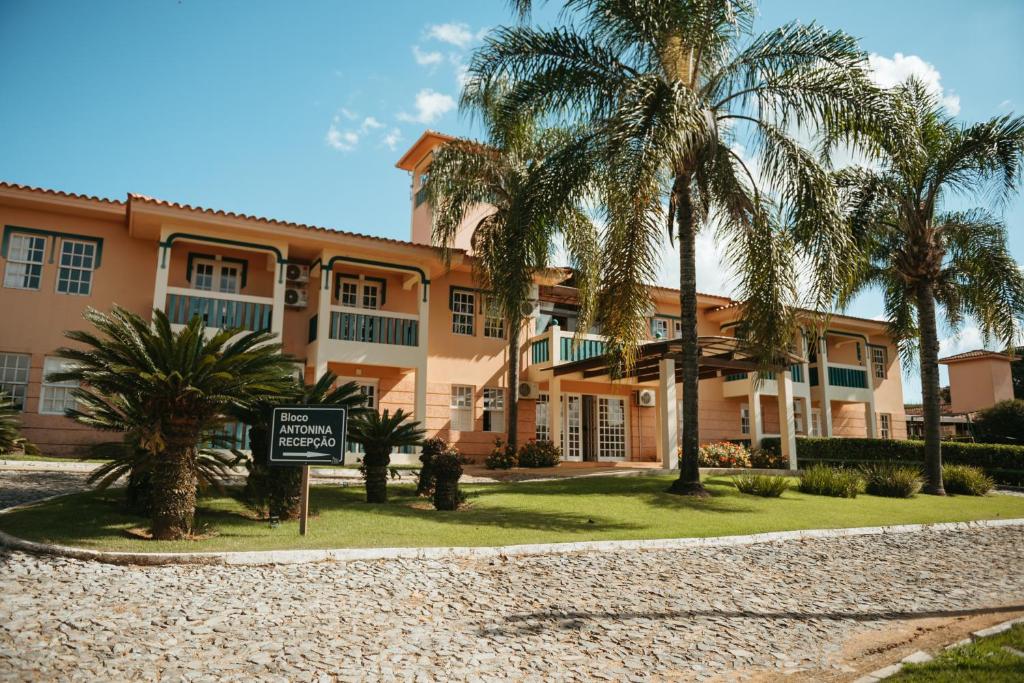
pixel 308 435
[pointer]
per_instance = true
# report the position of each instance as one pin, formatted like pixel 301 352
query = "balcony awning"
pixel 718 356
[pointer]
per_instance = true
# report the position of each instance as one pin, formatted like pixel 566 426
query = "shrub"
pixel 966 480
pixel 447 469
pixel 1003 462
pixel 539 454
pixel 425 478
pixel 767 459
pixel 1001 423
pixel 723 454
pixel 503 457
pixel 892 481
pixel 822 480
pixel 764 485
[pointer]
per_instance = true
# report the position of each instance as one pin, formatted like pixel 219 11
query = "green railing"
pixel 735 377
pixel 421 195
pixel 796 370
pixel 842 377
pixel 540 351
pixel 219 313
pixel 374 329
pixel 587 348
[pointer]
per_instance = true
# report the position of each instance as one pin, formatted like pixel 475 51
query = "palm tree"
pixel 278 489
pixel 923 254
pixel 668 89
pixel 379 434
pixel 164 391
pixel 513 242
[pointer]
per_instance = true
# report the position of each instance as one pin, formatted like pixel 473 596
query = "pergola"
pixel 719 356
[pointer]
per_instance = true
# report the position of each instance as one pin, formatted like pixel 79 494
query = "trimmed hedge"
pixel 1003 463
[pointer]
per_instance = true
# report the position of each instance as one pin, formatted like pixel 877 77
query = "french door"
pixel 594 428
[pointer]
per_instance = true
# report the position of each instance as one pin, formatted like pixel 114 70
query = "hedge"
pixel 1003 463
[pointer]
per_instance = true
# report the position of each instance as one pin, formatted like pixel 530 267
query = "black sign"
pixel 308 435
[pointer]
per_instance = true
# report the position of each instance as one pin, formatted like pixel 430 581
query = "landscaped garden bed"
pixel 585 509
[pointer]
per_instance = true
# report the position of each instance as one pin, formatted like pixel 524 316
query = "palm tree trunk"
pixel 376 464
pixel 513 384
pixel 930 390
pixel 174 487
pixel 688 482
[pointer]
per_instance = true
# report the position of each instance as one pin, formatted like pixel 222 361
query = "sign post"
pixel 308 435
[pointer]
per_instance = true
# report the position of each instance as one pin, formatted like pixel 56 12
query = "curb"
pixel 276 557
pixel 920 657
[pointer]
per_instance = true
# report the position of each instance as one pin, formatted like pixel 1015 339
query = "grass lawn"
pixel 46 458
pixel 593 508
pixel 996 658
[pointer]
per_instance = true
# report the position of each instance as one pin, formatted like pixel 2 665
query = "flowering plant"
pixel 723 454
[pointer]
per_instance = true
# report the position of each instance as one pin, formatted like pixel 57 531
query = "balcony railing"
pixel 842 376
pixel 394 329
pixel 796 371
pixel 565 346
pixel 219 310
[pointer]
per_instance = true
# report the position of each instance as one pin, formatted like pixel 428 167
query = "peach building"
pixel 413 331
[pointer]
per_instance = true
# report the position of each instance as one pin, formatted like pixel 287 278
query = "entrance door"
pixel 816 422
pixel 611 428
pixel 572 427
pixel 587 430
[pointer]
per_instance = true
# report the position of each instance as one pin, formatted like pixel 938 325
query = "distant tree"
pixel 1001 423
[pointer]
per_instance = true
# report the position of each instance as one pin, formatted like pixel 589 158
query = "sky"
pixel 299 110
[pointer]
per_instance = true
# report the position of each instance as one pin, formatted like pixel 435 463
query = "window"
pixel 494 323
pixel 14 376
pixel 542 431
pixel 885 425
pixel 463 311
pixel 77 261
pixel 611 428
pixel 879 361
pixel 659 328
pixel 354 293
pixel 462 408
pixel 798 416
pixel 494 410
pixel 24 261
pixel 211 275
pixel 815 422
pixel 744 419
pixel 56 396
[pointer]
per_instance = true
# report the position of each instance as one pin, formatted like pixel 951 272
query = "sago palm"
pixel 924 252
pixel 379 434
pixel 669 91
pixel 278 489
pixel 516 240
pixel 165 390
pixel 10 426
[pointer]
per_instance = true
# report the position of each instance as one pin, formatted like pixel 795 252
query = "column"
pixel 555 410
pixel 277 314
pixel 420 397
pixel 823 401
pixel 163 256
pixel 870 417
pixel 787 424
pixel 323 322
pixel 754 406
pixel 668 420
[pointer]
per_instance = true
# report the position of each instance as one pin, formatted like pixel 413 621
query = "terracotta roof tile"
pixel 59 193
pixel 976 353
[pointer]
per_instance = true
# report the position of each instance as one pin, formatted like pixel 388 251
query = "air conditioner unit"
pixel 529 390
pixel 296 297
pixel 527 308
pixel 296 272
pixel 644 398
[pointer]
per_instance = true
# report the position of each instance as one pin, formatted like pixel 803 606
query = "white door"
pixel 572 427
pixel 815 422
pixel 611 428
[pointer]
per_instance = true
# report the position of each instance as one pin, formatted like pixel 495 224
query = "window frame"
pixel 885 425
pixel 461 407
pixel 28 264
pixel 217 275
pixel 542 427
pixel 468 300
pixel 745 418
pixel 64 271
pixel 494 405
pixel 362 286
pixel 883 366
pixel 488 308
pixel 657 322
pixel 63 387
pixel 19 398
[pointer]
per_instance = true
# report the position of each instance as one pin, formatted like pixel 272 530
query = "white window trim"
pixel 884 426
pixel 60 364
pixel 465 412
pixel 361 286
pixel 23 385
pixel 601 456
pixel 489 319
pixel 10 260
pixel 218 266
pixel 543 399
pixel 657 322
pixel 877 367
pixel 471 314
pixel 60 265
pixel 744 418
pixel 499 411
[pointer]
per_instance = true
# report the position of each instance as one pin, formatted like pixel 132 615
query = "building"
pixel 414 331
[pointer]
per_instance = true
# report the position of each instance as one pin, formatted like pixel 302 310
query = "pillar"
pixel 555 411
pixel 870 416
pixel 787 424
pixel 668 422
pixel 420 396
pixel 163 256
pixel 754 407
pixel 823 400
pixel 321 354
pixel 277 314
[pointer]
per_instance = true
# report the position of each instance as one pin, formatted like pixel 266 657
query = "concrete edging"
pixel 271 557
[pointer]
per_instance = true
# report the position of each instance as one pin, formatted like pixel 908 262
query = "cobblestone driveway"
pixel 21 487
pixel 651 615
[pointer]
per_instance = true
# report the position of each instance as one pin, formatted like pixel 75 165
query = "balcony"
pixel 356 335
pixel 219 310
pixel 847 383
pixel 740 384
pixel 554 347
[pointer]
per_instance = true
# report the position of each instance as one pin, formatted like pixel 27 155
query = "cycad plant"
pixel 165 390
pixel 278 489
pixel 925 252
pixel 379 434
pixel 516 239
pixel 685 109
pixel 10 427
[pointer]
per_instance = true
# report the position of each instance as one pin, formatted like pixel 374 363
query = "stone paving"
pixel 22 487
pixel 647 615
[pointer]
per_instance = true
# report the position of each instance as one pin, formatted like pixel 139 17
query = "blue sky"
pixel 298 110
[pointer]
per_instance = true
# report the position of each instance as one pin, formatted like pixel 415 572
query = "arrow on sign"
pixel 307 455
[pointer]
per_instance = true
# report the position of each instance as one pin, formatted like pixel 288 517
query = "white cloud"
pixel 392 138
pixel 888 72
pixel 422 58
pixel 968 339
pixel 347 114
pixel 341 140
pixel 457 34
pixel 430 106
pixel 369 123
pixel 713 272
pixel 1005 104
